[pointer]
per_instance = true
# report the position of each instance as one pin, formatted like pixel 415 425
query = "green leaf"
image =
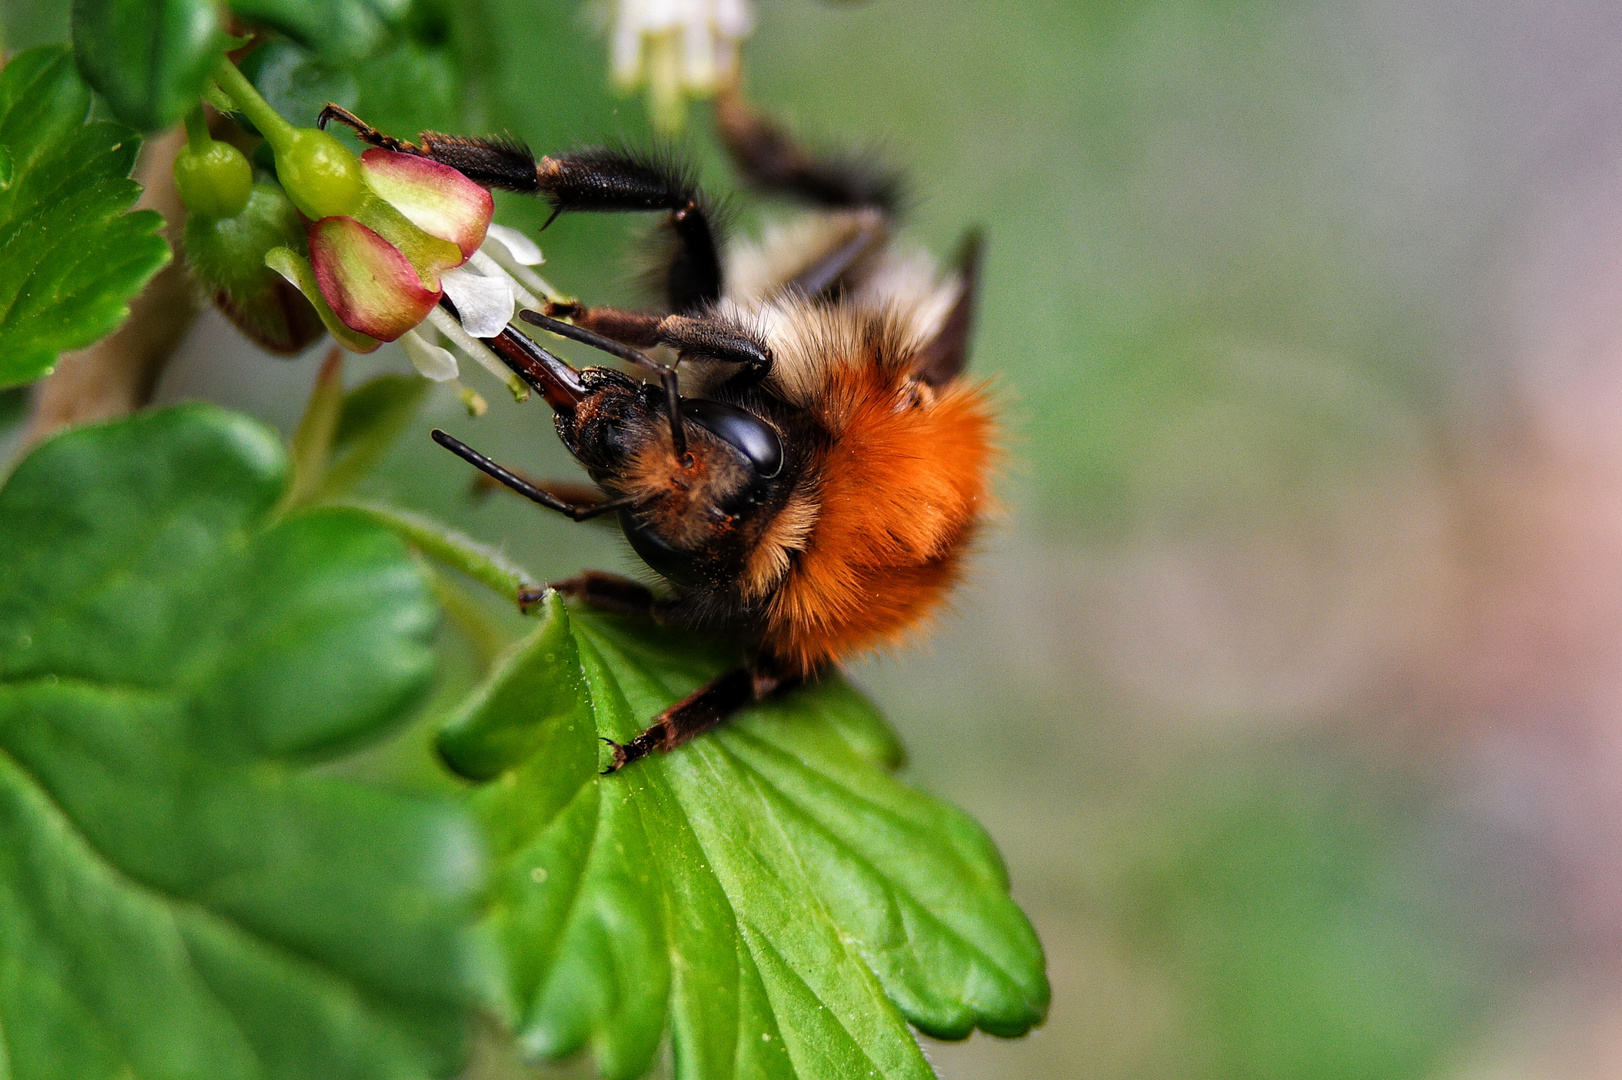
pixel 180 895
pixel 70 255
pixel 149 58
pixel 340 30
pixel 769 892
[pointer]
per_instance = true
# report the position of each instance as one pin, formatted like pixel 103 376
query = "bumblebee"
pixel 812 477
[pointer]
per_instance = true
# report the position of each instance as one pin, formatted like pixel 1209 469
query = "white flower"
pixel 486 291
pixel 484 304
pixel 677 48
pixel 515 245
pixel 431 361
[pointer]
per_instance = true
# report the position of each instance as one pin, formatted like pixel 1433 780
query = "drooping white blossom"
pixel 676 48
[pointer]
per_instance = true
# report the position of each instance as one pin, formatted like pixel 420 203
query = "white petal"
pixel 733 19
pixel 474 349
pixel 626 53
pixel 484 304
pixel 490 267
pixel 523 250
pixel 431 361
pixel 657 15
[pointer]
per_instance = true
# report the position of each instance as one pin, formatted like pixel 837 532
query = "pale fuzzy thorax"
pixel 758 268
pixel 902 292
pixel 788 533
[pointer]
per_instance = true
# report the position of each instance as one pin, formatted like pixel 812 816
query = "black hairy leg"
pixel 944 356
pixel 772 160
pixel 524 487
pixel 701 336
pixel 605 592
pixel 602 180
pixel 364 131
pixel 704 710
pixel 584 181
pixel 494 161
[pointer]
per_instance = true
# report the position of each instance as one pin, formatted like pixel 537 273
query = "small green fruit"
pixel 214 182
pixel 320 174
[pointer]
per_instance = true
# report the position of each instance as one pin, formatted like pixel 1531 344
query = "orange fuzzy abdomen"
pixel 900 492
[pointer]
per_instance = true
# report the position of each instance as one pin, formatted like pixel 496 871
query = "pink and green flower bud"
pixel 296 269
pixel 227 257
pixel 388 234
pixel 382 268
pixel 429 255
pixel 435 198
pixel 372 287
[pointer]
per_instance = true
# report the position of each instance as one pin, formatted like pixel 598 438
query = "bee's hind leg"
pixel 773 160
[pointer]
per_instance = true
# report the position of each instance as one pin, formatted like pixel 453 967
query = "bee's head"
pixel 698 508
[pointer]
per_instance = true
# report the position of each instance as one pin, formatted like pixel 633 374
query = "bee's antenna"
pixel 530 491
pixel 667 375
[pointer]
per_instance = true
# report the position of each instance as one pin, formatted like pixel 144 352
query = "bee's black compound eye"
pixel 679 566
pixel 748 434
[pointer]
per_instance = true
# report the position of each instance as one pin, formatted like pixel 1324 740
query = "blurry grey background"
pixel 1291 684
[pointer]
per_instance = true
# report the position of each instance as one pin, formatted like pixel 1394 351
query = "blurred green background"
pixel 1291 684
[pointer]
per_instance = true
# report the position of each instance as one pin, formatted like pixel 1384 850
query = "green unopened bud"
pixel 214 181
pixel 227 256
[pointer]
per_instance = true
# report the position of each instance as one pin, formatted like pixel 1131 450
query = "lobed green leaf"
pixel 71 256
pixel 768 893
pixel 180 894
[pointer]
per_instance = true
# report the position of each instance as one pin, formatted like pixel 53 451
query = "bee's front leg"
pixel 364 131
pixel 706 709
pixel 605 592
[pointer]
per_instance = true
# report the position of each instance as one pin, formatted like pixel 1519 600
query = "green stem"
pixel 198 139
pixel 487 637
pixel 235 85
pixel 483 564
pixel 312 442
